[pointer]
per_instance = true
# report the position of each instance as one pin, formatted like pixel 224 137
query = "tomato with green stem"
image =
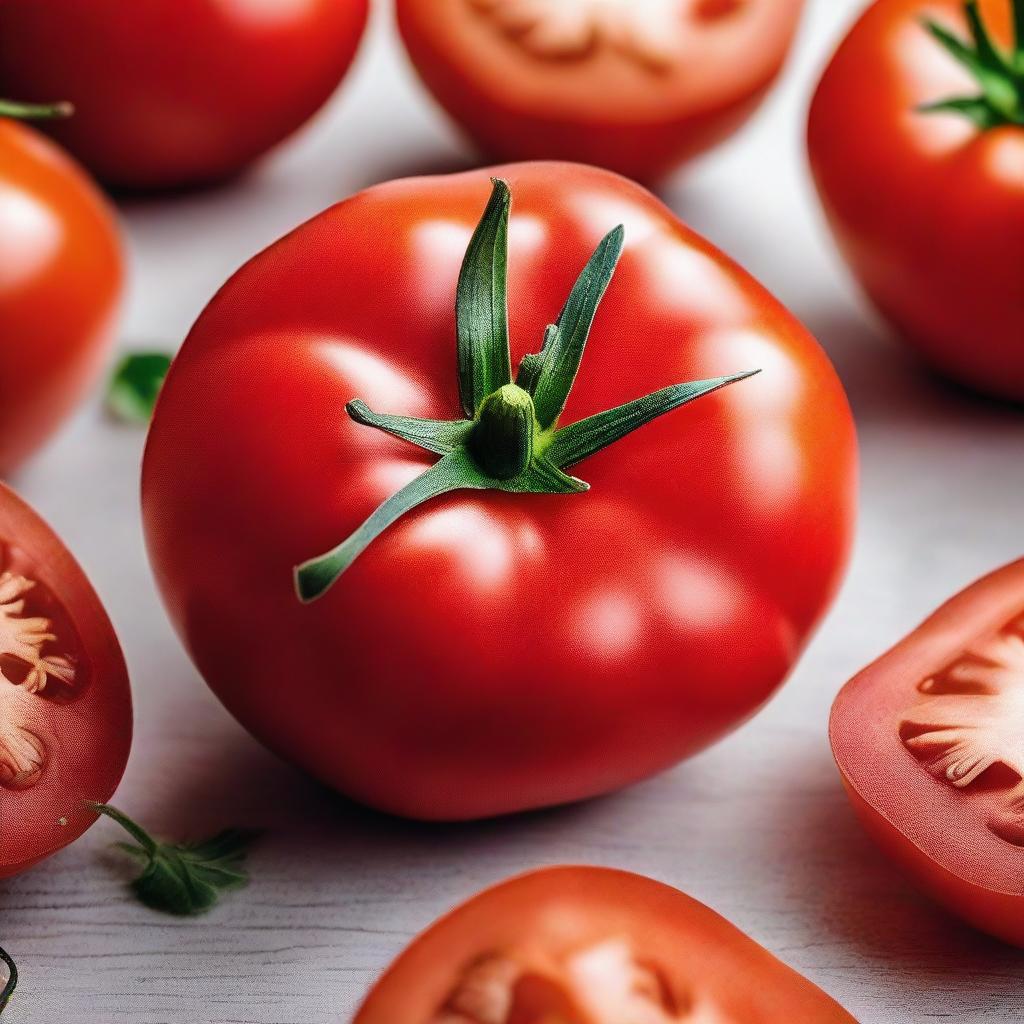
pixel 493 633
pixel 61 276
pixel 584 945
pixel 916 139
pixel 178 93
pixel 65 705
pixel 927 740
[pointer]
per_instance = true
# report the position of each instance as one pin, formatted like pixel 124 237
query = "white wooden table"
pixel 758 827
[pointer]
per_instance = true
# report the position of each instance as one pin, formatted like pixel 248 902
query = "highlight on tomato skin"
pixel 916 142
pixel 927 741
pixel 61 280
pixel 637 87
pixel 586 945
pixel 65 703
pixel 531 639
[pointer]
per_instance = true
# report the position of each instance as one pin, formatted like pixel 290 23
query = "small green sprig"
pixel 135 386
pixel 184 879
pixel 12 979
pixel 509 438
pixel 999 73
pixel 35 111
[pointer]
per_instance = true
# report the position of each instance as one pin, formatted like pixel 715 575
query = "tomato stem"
pixel 999 74
pixel 510 439
pixel 35 111
pixel 12 979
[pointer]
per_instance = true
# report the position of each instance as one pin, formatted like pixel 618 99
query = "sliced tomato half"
pixel 65 705
pixel 930 743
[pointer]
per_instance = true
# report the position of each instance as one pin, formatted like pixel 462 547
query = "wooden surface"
pixel 758 827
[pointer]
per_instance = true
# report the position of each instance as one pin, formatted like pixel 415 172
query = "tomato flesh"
pixel 637 88
pixel 65 707
pixel 580 945
pixel 928 743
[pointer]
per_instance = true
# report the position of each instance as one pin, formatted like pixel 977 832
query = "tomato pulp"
pixel 495 651
pixel 61 275
pixel 928 743
pixel 635 87
pixel 174 93
pixel 923 180
pixel 581 945
pixel 65 706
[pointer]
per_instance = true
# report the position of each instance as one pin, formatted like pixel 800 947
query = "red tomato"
pixel 927 206
pixel 495 651
pixel 928 743
pixel 579 945
pixel 638 88
pixel 65 707
pixel 60 282
pixel 172 93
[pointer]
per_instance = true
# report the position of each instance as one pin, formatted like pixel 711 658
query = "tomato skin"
pixel 927 209
pixel 176 93
pixel 61 270
pixel 493 652
pixel 704 960
pixel 597 108
pixel 84 731
pixel 941 835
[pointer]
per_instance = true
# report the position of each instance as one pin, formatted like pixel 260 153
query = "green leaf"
pixel 135 386
pixel 12 979
pixel 481 305
pixel 975 108
pixel 580 440
pixel 550 376
pixel 184 879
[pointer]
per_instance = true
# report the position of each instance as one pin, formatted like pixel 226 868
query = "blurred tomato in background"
pixel 916 140
pixel 637 87
pixel 60 282
pixel 173 93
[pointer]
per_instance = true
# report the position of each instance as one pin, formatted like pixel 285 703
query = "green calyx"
pixel 35 111
pixel 998 72
pixel 509 438
pixel 12 979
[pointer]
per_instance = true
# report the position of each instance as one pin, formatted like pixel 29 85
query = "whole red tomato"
pixel 580 945
pixel 928 743
pixel 60 281
pixel 65 706
pixel 921 170
pixel 172 93
pixel 636 87
pixel 496 649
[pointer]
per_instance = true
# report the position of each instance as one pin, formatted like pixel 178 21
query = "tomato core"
pixel 41 661
pixel 966 728
pixel 602 983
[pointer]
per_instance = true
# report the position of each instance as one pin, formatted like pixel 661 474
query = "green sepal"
pixel 481 305
pixel 1000 75
pixel 135 386
pixel 580 440
pixel 35 111
pixel 185 879
pixel 437 436
pixel 550 376
pixel 12 979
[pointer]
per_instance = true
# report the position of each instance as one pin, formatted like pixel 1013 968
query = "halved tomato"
pixel 930 743
pixel 637 87
pixel 65 706
pixel 582 945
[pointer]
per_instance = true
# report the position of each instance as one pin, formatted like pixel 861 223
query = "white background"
pixel 758 827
